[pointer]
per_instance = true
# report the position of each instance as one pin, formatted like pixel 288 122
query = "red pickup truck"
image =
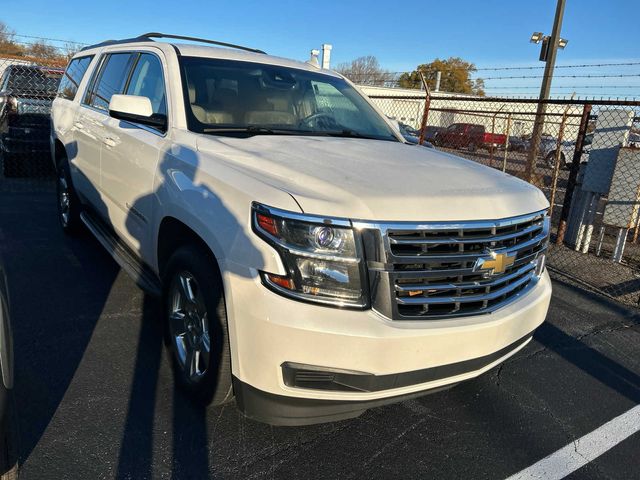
pixel 470 136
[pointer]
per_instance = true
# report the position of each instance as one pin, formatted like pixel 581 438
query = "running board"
pixel 140 273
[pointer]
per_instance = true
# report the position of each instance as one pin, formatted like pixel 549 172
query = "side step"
pixel 140 273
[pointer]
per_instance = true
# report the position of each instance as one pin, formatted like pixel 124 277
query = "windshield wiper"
pixel 254 130
pixel 348 133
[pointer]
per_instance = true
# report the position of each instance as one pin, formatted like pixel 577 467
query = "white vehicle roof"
pixel 206 51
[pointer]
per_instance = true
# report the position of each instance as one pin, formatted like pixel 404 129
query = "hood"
pixel 375 179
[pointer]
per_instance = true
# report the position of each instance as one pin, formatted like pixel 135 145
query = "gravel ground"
pixel 97 401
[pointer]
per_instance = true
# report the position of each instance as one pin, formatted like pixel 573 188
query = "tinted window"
pixel 113 77
pixel 72 77
pixel 147 81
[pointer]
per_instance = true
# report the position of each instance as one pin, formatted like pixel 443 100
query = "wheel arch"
pixel 59 152
pixel 172 234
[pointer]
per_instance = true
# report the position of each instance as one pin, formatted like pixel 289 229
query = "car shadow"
pixel 190 442
pixel 55 308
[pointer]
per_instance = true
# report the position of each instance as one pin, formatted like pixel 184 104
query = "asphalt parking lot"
pixel 96 396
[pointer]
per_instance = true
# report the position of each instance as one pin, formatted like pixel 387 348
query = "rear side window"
pixel 111 80
pixel 73 76
pixel 147 81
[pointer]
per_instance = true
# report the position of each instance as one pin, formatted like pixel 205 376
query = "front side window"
pixel 112 79
pixel 147 81
pixel 227 97
pixel 73 76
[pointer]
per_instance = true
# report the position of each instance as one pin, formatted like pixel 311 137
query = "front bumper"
pixel 388 360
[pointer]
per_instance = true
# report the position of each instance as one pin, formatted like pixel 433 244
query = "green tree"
pixel 456 76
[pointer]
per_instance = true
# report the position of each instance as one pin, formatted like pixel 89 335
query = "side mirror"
pixel 136 109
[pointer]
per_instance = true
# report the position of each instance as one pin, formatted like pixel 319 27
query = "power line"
pixel 622 75
pixel 579 65
pixel 502 87
pixel 47 39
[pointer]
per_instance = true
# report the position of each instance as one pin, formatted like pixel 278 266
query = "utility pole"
pixel 548 54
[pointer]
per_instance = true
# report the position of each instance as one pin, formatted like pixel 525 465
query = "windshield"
pixel 232 97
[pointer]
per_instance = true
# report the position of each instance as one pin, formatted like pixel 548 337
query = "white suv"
pixel 311 263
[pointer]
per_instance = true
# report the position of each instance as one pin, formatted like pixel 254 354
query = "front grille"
pixel 428 271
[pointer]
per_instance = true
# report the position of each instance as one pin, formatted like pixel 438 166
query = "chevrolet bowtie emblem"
pixel 496 263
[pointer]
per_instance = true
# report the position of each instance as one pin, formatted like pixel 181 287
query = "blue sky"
pixel 488 33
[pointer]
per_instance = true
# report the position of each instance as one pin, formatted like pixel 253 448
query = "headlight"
pixel 322 257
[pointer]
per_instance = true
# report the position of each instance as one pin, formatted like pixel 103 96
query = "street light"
pixel 536 37
pixel 548 51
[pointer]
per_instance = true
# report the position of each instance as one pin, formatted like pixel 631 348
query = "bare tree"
pixel 7 42
pixel 365 71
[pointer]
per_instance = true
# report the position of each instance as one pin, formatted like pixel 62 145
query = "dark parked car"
pixel 412 135
pixel 26 94
pixel 8 447
pixel 518 144
pixel 431 133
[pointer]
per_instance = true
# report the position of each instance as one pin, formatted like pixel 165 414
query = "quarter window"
pixel 147 81
pixel 112 80
pixel 73 76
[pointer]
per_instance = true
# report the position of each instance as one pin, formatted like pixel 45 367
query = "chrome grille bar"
pixel 424 271
pixel 464 286
pixel 466 299
pixel 465 256
pixel 465 239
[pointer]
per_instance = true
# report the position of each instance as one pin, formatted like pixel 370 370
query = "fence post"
pixel 506 143
pixel 556 164
pixel 573 174
pixel 536 137
pixel 493 132
pixel 425 114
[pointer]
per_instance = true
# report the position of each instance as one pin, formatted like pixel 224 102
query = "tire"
pixel 69 206
pixel 472 147
pixel 195 319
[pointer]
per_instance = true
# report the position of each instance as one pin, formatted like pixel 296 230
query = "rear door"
pixel 65 108
pixel 130 155
pixel 108 79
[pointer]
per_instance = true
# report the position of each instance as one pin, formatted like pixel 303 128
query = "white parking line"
pixel 577 454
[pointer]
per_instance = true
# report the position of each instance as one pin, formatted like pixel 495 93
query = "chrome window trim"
pixel 96 73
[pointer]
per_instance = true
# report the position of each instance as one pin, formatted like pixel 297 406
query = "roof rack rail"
pixel 148 37
pixel 115 42
pixel 152 35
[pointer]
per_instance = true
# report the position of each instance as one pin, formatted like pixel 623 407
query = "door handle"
pixel 78 125
pixel 109 142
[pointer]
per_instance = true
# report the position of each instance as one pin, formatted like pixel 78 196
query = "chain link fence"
pixel 586 160
pixel 27 89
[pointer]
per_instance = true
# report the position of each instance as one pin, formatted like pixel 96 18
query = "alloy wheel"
pixel 64 199
pixel 189 326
